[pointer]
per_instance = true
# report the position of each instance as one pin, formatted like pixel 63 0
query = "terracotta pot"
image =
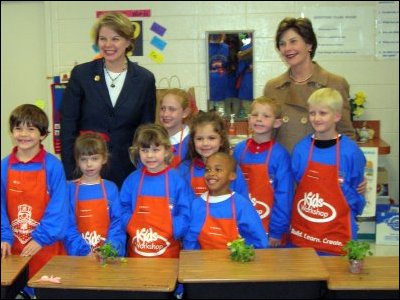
pixel 356 266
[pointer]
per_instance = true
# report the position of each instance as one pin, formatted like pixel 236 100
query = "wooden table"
pixel 379 278
pixel 83 277
pixel 275 273
pixel 14 275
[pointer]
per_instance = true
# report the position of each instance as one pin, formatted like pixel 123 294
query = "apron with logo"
pixel 260 187
pixel 198 183
pixel 26 204
pixel 217 232
pixel 321 217
pixel 92 218
pixel 150 227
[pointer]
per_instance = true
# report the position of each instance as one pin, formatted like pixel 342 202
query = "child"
pixel 266 165
pixel 207 136
pixel 94 202
pixel 33 192
pixel 220 215
pixel 174 111
pixel 155 199
pixel 328 167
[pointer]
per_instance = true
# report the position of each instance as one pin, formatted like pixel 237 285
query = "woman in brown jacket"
pixel 296 41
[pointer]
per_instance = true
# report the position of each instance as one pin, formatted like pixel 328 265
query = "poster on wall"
pixel 371 175
pixel 387 29
pixel 343 30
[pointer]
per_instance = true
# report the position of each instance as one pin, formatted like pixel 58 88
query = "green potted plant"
pixel 356 251
pixel 240 251
pixel 106 253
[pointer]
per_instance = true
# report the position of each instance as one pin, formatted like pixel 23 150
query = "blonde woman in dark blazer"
pixel 110 95
pixel 296 41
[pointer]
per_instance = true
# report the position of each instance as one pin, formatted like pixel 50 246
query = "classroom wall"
pixel 47 38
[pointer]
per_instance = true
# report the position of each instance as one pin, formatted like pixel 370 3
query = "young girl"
pixel 221 214
pixel 174 111
pixel 94 202
pixel 155 199
pixel 208 136
pixel 266 165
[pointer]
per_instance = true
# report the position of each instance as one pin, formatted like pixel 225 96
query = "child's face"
pixel 154 158
pixel 27 138
pixel 206 140
pixel 90 166
pixel 323 119
pixel 172 114
pixel 262 119
pixel 218 175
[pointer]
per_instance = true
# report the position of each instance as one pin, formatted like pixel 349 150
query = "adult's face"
pixel 112 46
pixel 294 50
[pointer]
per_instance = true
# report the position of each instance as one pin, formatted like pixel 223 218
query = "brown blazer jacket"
pixel 293 99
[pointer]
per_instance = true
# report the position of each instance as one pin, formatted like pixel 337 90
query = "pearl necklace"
pixel 299 81
pixel 114 79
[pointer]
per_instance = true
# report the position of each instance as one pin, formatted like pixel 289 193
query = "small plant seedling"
pixel 240 251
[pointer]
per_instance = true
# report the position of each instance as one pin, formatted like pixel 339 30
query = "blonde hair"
pixel 275 106
pixel 328 97
pixel 117 22
pixel 147 135
pixel 182 97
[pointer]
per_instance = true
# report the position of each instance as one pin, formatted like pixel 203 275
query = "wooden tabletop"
pixel 136 274
pixel 11 267
pixel 380 273
pixel 297 264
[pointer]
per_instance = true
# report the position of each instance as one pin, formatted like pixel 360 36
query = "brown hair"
pixel 275 105
pixel 302 26
pixel 217 122
pixel 30 115
pixel 147 135
pixel 117 22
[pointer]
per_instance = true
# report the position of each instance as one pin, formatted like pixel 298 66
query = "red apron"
pixel 150 227
pixel 176 159
pixel 198 183
pixel 27 198
pixel 321 217
pixel 92 218
pixel 260 187
pixel 217 232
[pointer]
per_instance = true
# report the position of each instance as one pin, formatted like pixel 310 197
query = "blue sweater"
pixel 74 242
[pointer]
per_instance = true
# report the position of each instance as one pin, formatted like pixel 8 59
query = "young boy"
pixel 33 192
pixel 220 215
pixel 328 167
pixel 266 166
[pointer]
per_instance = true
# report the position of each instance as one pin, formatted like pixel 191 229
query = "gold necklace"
pixel 299 81
pixel 114 79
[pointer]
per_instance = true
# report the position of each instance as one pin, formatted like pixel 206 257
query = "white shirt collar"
pixel 216 199
pixel 176 138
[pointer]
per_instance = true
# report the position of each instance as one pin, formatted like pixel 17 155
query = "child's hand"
pixel 273 243
pixel 5 249
pixel 31 249
pixel 362 187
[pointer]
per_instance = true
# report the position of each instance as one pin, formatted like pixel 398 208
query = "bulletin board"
pixel 57 92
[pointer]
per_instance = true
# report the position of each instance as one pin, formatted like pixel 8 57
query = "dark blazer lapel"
pixel 128 90
pixel 101 86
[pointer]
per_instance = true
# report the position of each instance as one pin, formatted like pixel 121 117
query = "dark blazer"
pixel 86 105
